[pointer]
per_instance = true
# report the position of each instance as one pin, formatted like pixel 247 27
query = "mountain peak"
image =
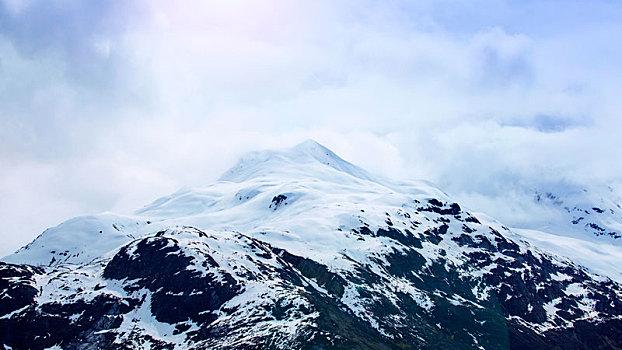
pixel 309 157
pixel 313 149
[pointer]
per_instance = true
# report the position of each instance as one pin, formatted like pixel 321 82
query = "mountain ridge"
pixel 300 253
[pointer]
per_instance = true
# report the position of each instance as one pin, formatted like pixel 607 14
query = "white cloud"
pixel 120 103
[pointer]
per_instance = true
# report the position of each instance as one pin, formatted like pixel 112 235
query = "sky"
pixel 108 105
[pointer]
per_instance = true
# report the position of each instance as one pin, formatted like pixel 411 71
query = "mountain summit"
pixel 308 158
pixel 299 249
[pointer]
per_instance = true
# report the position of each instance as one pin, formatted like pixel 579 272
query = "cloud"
pixel 108 105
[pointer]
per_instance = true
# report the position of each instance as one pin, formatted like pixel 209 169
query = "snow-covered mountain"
pixel 582 221
pixel 588 211
pixel 595 212
pixel 300 249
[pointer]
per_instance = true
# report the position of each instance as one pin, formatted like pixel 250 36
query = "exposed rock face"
pixel 159 265
pixel 319 259
pixel 36 325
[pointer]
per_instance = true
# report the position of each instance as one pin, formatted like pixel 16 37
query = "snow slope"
pixel 290 242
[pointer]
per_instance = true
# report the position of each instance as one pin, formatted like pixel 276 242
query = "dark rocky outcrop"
pixel 160 265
